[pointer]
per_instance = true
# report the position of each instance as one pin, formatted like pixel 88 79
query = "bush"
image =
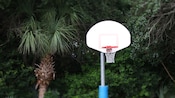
pixel 127 78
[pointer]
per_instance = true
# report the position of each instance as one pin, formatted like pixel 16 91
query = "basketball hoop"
pixel 109 54
pixel 108 37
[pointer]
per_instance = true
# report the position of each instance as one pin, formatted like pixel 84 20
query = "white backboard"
pixel 108 33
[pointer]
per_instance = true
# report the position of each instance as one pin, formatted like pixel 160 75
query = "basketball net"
pixel 110 56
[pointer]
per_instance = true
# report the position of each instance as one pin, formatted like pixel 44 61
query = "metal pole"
pixel 103 90
pixel 102 65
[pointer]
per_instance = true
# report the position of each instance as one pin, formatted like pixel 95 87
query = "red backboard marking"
pixel 110 47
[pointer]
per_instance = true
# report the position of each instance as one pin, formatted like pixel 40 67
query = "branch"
pixel 4 43
pixel 171 12
pixel 167 72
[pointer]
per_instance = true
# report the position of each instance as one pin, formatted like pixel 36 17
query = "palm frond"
pixel 60 25
pixel 49 20
pixel 33 40
pixel 49 14
pixel 31 24
pixel 58 44
pixel 42 43
pixel 62 37
pixel 28 43
pixel 74 16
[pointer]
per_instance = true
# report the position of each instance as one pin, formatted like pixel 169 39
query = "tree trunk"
pixel 44 73
pixel 42 90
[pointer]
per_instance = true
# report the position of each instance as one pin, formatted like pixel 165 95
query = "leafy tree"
pixel 152 29
pixel 161 38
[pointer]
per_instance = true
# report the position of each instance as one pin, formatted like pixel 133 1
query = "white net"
pixel 110 57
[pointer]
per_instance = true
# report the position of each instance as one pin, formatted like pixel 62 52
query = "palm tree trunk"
pixel 44 73
pixel 42 90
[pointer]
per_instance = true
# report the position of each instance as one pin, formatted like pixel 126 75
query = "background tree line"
pixel 32 28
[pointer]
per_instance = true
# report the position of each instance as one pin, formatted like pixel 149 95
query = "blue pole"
pixel 103 90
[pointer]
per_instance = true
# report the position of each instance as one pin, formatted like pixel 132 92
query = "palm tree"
pixel 46 29
pixel 60 35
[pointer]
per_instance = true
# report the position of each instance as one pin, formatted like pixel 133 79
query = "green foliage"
pixel 15 77
pixel 126 78
pixel 45 23
pixel 4 4
pixel 83 85
pixel 62 36
pixel 166 91
pixel 52 94
pixel 43 26
pixel 138 23
pixel 129 74
pixel 94 11
pixel 147 31
pixel 28 43
pixel 141 24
